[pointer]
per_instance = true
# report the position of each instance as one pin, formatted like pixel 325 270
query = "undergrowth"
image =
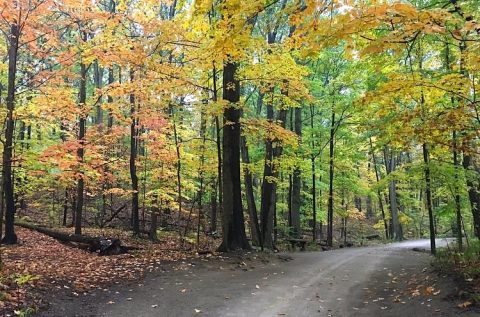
pixel 464 266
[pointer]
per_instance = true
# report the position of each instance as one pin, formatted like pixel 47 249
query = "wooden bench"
pixel 302 243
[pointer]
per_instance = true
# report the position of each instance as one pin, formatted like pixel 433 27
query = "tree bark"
pixel 267 197
pixel 391 163
pixel 251 205
pixel 314 183
pixel 473 193
pixel 233 225
pixel 111 80
pixel 269 184
pixel 203 128
pixel 133 161
pixel 94 243
pixel 10 236
pixel 97 78
pixel 458 206
pixel 379 193
pixel 296 203
pixel 218 135
pixel 330 188
pixel 81 146
pixel 428 196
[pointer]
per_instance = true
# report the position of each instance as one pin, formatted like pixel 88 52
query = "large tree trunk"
pixel 133 161
pixel 269 186
pixel 10 236
pixel 296 203
pixel 81 147
pixel 233 225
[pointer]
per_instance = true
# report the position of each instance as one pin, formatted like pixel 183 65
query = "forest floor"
pixel 389 280
pixel 39 266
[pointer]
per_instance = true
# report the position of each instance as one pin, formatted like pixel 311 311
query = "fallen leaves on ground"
pixel 60 267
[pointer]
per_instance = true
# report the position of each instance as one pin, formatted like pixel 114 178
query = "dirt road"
pixel 389 280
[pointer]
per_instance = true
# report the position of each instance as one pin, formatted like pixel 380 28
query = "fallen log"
pixel 373 237
pixel 102 245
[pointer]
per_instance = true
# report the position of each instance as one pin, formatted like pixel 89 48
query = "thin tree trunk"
pixel 330 188
pixel 458 207
pixel 380 200
pixel 97 78
pixel 219 188
pixel 179 170
pixel 296 203
pixel 213 207
pixel 428 195
pixel 391 163
pixel 65 208
pixel 203 127
pixel 133 160
pixel 251 205
pixel 152 235
pixel 111 80
pixel 267 198
pixel 81 146
pixel 314 183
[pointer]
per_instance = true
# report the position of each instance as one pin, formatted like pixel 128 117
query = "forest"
pixel 241 124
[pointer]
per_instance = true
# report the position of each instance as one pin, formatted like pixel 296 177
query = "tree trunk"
pixel 133 160
pixel 65 208
pixel 251 205
pixel 268 196
pixel 390 163
pixel 213 206
pixel 458 206
pixel 218 135
pixel 379 193
pixel 269 185
pixel 314 184
pixel 178 169
pixel 203 128
pixel 97 78
pixel 330 188
pixel 473 193
pixel 296 203
pixel 152 235
pixel 10 236
pixel 428 196
pixel 111 80
pixel 81 147
pixel 106 246
pixel 233 225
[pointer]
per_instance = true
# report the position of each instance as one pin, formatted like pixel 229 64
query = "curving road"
pixel 370 281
